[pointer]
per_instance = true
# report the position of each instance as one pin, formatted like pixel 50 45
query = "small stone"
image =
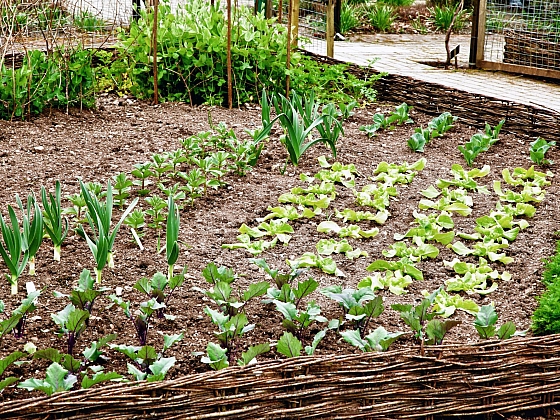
pixel 39 148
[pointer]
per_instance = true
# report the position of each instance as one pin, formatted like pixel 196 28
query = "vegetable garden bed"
pixel 126 132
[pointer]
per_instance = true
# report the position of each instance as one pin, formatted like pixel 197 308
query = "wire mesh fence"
pixel 523 32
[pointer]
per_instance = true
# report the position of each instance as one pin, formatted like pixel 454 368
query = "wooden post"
pixel 229 83
pixel 154 50
pixel 268 9
pixel 289 47
pixel 330 29
pixel 295 22
pixel 481 31
pixel 280 7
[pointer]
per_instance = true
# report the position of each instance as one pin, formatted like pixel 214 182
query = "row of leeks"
pixel 22 241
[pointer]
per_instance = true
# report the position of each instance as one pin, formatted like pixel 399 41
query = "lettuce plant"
pixel 480 142
pixel 446 304
pixel 405 266
pixel 395 281
pixel 288 213
pixel 330 246
pixel 466 179
pixel 55 226
pixel 380 217
pixel 441 124
pixel 419 139
pixel 393 173
pixel 352 231
pixel 380 121
pixel 376 196
pixel 431 228
pixel 337 173
pixel 473 278
pixel 316 201
pixel 309 259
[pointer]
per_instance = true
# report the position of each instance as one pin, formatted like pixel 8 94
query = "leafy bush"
pixel 61 79
pixel 381 16
pixel 398 3
pixel 348 18
pixel 192 54
pixel 546 318
pixel 441 17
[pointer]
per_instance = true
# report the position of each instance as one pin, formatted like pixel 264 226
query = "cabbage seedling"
pixel 54 225
pixel 12 249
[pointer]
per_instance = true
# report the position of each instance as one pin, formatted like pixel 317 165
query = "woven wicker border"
pixel 471 108
pixel 451 380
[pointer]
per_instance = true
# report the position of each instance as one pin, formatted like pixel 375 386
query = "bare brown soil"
pixel 97 145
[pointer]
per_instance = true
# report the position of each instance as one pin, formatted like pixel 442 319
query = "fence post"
pixel 155 50
pixel 330 29
pixel 481 31
pixel 295 22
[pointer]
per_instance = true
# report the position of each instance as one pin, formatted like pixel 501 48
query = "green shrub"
pixel 398 3
pixel 192 53
pixel 441 17
pixel 61 79
pixel 381 16
pixel 348 18
pixel 546 318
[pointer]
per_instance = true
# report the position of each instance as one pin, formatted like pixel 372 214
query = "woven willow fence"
pixel 451 380
pixel 471 108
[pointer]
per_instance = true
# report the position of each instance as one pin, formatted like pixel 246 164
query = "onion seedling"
pixel 99 218
pixel 12 249
pixel 53 219
pixel 172 236
pixel 32 237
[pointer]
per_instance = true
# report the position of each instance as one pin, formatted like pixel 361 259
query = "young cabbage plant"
pixel 99 218
pixel 280 279
pixel 57 379
pixel 297 321
pixel 378 340
pixel 421 320
pixel 12 249
pixel 72 322
pixel 140 319
pixel 83 297
pixel 291 346
pixel 4 364
pixel 485 325
pixel 18 319
pixel 148 364
pixel 32 235
pixel 55 226
pixel 359 306
pixel 156 288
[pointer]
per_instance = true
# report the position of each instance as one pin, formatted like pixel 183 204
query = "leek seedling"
pixel 99 218
pixel 172 236
pixel 12 249
pixel 54 226
pixel 32 237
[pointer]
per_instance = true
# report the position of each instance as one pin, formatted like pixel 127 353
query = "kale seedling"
pixel 156 288
pixel 538 149
pixel 485 324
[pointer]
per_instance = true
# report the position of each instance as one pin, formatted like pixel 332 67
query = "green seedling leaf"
pixel 252 352
pixel 98 378
pixel 310 350
pixel 485 321
pixel 288 345
pixel 160 368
